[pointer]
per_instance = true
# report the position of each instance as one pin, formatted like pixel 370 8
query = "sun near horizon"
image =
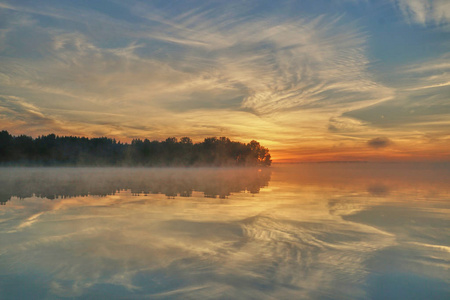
pixel 313 82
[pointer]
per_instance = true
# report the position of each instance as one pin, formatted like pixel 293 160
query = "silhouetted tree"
pixel 71 150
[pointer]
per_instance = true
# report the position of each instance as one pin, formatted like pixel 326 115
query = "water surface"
pixel 305 231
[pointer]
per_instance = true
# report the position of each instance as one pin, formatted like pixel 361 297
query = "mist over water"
pixel 305 231
pixel 66 182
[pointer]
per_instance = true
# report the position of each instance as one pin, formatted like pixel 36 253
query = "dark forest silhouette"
pixel 72 150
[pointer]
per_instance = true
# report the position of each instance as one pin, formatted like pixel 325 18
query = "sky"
pixel 323 80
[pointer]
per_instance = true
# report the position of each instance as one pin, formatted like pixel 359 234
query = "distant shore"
pixel 52 150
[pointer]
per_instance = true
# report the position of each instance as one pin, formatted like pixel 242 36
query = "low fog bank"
pixel 71 182
pixel 376 177
pixel 290 241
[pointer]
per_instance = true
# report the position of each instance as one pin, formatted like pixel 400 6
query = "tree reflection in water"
pixel 53 183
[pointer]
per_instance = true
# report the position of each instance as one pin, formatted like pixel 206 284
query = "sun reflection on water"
pixel 298 231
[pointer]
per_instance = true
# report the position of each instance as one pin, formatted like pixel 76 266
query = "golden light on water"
pixel 305 230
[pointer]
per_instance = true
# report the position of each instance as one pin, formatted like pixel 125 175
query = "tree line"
pixel 72 150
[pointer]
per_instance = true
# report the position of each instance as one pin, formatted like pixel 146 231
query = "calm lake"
pixel 300 231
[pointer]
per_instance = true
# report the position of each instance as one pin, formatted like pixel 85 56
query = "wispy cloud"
pixel 425 11
pixel 431 73
pixel 15 109
pixel 201 60
pixel 420 104
pixel 146 70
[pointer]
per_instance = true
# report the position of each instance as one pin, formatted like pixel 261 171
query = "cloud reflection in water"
pixel 297 238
